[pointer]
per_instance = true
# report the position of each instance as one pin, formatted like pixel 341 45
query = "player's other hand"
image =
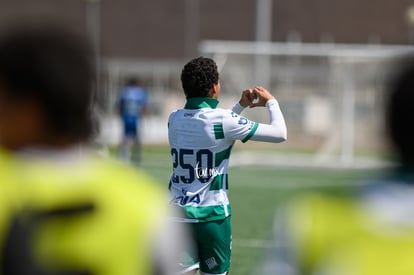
pixel 260 96
pixel 247 98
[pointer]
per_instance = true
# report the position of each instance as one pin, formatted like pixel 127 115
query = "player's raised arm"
pixel 246 100
pixel 276 130
pixel 241 128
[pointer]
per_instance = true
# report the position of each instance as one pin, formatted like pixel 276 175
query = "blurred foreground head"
pixel 400 115
pixel 46 78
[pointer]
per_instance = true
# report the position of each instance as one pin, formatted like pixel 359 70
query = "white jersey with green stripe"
pixel 201 138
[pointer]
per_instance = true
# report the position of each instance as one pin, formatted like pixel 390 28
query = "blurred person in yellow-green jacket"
pixel 367 232
pixel 8 200
pixel 63 210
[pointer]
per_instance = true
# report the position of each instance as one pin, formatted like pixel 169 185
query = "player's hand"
pixel 262 95
pixel 247 98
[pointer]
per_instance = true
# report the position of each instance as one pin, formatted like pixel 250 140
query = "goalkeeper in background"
pixel 201 138
pixel 64 211
pixel 368 233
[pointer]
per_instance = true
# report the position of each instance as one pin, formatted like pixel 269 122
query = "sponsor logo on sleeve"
pixel 243 121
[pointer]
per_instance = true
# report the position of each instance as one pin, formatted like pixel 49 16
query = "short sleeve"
pixel 237 127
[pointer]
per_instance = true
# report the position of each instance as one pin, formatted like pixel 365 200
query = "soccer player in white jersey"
pixel 201 138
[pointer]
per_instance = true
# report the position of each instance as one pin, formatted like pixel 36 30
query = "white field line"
pixel 297 184
pixel 247 158
pixel 252 243
pixel 262 161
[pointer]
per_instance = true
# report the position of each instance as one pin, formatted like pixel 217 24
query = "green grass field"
pixel 255 193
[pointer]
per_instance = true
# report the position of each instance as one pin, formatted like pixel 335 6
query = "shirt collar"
pixel 201 102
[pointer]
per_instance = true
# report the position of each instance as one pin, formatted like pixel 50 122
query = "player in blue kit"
pixel 132 106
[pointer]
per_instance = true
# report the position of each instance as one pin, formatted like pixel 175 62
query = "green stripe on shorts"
pixel 213 245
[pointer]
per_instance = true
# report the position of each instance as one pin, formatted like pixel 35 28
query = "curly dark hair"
pixel 198 77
